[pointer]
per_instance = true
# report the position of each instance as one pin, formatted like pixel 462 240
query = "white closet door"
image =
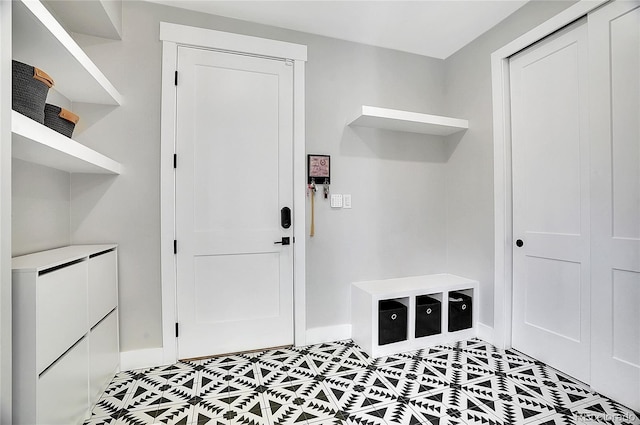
pixel 614 48
pixel 551 201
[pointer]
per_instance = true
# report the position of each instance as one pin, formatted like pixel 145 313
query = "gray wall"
pixel 420 204
pixel 40 208
pixel 396 226
pixel 470 235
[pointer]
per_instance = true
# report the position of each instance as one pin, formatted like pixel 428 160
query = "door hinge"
pixel 176 79
pixel 175 160
pixel 175 246
pixel 177 333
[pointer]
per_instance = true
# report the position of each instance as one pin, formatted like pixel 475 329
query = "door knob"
pixel 519 243
pixel 286 240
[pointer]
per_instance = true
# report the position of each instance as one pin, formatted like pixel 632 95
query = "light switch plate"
pixel 336 201
pixel 346 201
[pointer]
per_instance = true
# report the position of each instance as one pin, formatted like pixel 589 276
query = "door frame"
pixel 502 178
pixel 173 36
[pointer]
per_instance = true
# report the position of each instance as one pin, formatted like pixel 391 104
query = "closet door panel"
pixel 614 33
pixel 625 108
pixel 550 154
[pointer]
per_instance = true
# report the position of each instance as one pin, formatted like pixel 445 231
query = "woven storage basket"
pixel 30 88
pixel 60 119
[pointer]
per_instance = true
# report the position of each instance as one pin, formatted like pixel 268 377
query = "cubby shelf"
pixel 33 142
pixel 40 40
pixel 365 297
pixel 412 122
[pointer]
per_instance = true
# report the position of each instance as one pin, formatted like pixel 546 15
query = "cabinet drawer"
pixel 61 311
pixel 62 396
pixel 103 293
pixel 104 354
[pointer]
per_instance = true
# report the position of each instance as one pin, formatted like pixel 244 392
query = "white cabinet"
pixel 65 332
pixel 60 309
pixel 61 389
pixel 365 301
pixel 104 355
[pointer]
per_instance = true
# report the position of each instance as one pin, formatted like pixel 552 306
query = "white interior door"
pixel 551 201
pixel 234 174
pixel 614 49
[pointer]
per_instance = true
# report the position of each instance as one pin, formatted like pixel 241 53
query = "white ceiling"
pixel 436 28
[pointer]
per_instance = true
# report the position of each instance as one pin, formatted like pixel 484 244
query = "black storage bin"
pixel 60 119
pixel 460 311
pixel 392 322
pixel 428 316
pixel 30 87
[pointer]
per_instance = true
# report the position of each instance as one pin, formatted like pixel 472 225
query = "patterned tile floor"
pixel 466 383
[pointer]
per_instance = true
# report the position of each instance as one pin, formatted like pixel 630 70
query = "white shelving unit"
pixel 40 40
pixel 33 142
pixel 412 122
pixel 365 298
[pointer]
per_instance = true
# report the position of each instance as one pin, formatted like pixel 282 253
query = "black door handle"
pixel 286 240
pixel 285 217
pixel 519 243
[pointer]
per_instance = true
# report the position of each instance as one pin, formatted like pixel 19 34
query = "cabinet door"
pixel 104 355
pixel 614 43
pixel 61 312
pixel 103 293
pixel 62 396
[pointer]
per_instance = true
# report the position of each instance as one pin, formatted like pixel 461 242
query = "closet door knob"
pixel 519 243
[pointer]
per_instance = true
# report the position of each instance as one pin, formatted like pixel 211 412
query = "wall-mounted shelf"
pixel 33 142
pixel 412 122
pixel 39 40
pixel 98 18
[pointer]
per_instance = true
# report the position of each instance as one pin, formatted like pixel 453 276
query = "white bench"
pixel 365 298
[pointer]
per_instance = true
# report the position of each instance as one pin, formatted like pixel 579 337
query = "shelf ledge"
pixel 412 122
pixel 39 40
pixel 98 18
pixel 33 142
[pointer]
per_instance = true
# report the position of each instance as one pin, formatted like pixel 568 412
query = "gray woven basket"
pixel 29 92
pixel 59 119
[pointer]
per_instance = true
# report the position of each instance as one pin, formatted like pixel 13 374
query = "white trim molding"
pixel 328 334
pixel 502 162
pixel 141 359
pixel 174 35
pixel 202 37
pixel 484 332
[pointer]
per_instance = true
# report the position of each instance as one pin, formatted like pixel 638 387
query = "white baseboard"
pixel 485 332
pixel 328 334
pixel 141 359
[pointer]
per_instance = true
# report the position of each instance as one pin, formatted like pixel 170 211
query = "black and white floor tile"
pixel 466 383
